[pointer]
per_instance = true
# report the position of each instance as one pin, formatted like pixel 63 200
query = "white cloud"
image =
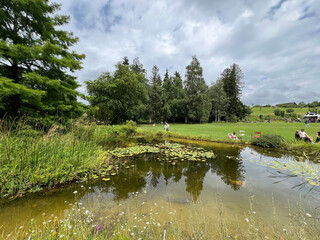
pixel 276 43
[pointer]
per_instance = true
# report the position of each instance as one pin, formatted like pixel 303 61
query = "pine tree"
pixel 35 60
pixel 232 84
pixel 178 105
pixel 167 96
pixel 198 104
pixel 155 96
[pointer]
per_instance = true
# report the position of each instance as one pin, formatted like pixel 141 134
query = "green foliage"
pixel 34 59
pixel 219 101
pixel 269 141
pixel 155 104
pixel 290 110
pixel 198 102
pixel 119 96
pixel 130 128
pixel 232 84
pixel 277 112
pixel 31 160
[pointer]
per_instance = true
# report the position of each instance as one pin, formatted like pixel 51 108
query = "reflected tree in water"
pixel 229 167
pixel 195 173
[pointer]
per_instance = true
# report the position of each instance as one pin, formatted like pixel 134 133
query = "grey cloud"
pixel 276 43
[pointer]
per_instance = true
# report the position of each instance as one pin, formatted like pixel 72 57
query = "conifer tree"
pixel 232 84
pixel 155 96
pixel 35 60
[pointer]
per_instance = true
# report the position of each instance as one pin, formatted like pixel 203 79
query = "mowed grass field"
pixel 265 111
pixel 219 131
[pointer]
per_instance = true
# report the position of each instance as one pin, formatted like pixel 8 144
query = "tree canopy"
pixel 35 60
pixel 119 96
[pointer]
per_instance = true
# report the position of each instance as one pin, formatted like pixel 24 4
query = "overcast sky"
pixel 276 43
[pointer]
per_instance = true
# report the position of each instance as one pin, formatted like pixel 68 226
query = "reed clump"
pixel 37 157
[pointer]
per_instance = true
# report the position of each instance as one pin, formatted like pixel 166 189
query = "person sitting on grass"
pixel 305 136
pixel 297 136
pixel 232 136
pixel 318 137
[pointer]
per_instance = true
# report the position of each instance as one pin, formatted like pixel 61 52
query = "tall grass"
pixel 32 159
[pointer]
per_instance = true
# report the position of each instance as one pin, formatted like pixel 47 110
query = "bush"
pixel 268 141
pixel 130 128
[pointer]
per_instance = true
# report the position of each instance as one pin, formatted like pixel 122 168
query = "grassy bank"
pixel 219 131
pixel 31 160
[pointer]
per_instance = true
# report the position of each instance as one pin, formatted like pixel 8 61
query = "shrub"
pixel 268 141
pixel 130 128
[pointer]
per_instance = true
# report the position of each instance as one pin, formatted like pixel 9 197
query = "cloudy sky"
pixel 276 43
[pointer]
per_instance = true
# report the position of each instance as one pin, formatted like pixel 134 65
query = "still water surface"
pixel 184 190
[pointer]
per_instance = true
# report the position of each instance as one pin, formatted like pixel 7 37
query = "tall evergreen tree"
pixel 232 84
pixel 178 105
pixel 167 96
pixel 35 60
pixel 198 104
pixel 155 96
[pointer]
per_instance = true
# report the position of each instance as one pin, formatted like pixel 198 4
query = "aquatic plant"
pixel 169 151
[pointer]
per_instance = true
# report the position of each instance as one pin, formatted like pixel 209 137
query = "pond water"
pixel 188 190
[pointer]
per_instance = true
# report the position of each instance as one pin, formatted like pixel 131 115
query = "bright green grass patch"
pixel 219 131
pixel 265 111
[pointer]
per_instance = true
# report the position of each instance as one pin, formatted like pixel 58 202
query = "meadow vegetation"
pixel 31 160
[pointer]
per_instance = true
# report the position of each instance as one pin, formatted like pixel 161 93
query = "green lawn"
pixel 265 111
pixel 219 131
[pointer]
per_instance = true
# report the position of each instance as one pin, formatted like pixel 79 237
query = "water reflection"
pixel 154 169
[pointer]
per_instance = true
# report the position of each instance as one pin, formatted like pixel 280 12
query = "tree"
pixel 232 84
pixel 35 59
pixel 178 104
pixel 219 101
pixel 167 96
pixel 137 67
pixel 198 104
pixel 155 96
pixel 119 96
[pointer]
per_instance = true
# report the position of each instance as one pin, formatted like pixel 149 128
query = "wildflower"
pixel 247 220
pixel 147 223
pixel 308 215
pixel 21 227
pixel 61 236
pixel 159 224
pixel 284 230
pixel 75 192
pixel 98 228
pixel 82 186
pixel 132 234
pixel 254 212
pixel 304 223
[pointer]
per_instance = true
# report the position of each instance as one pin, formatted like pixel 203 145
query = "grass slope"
pixel 219 131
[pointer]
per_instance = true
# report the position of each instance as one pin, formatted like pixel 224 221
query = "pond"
pixel 159 187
